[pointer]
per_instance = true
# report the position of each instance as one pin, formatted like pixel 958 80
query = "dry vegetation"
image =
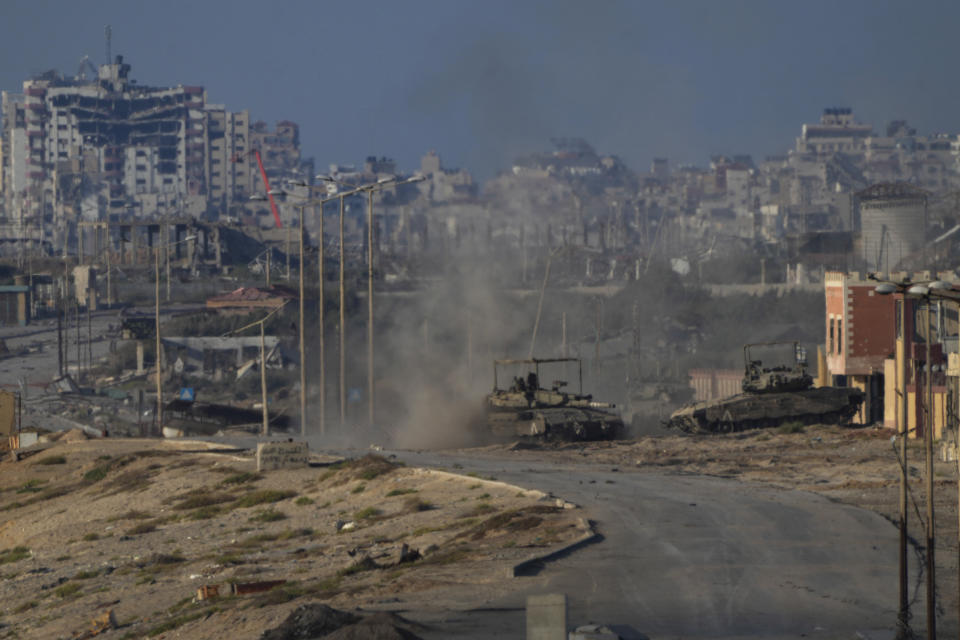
pixel 137 527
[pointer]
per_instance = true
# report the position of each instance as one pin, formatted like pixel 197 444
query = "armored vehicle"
pixel 526 409
pixel 771 396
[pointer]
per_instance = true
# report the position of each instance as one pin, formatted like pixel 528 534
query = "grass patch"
pixel 133 480
pixel 263 496
pixel 366 514
pixel 512 521
pixel 52 460
pixel 268 515
pixel 31 486
pixel 198 498
pixel 242 478
pixel 26 606
pixel 360 488
pixel 179 621
pixel 230 559
pixel 794 426
pixel 445 557
pixel 483 496
pixel 143 527
pixel 90 537
pixel 67 590
pixel 303 501
pixel 13 555
pixel 86 575
pixel 481 509
pixel 205 513
pixel 367 468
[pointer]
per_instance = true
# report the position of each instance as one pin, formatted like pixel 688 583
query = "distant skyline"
pixel 482 82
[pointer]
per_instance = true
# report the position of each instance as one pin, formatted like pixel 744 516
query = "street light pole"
pixel 928 449
pixel 263 382
pixel 159 348
pixel 157 357
pixel 343 330
pixel 370 308
pixel 903 616
pixel 323 365
pixel 303 351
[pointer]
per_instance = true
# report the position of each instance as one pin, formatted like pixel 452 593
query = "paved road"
pixel 38 368
pixel 688 556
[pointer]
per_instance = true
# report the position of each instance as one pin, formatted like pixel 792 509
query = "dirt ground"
pixel 137 526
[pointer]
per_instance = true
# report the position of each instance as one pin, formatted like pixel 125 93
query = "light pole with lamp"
pixel 158 356
pixel 922 291
pixel 370 189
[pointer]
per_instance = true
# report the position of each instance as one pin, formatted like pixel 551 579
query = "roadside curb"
pixel 535 493
pixel 535 564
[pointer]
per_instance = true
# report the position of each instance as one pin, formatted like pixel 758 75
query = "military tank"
pixel 771 396
pixel 525 409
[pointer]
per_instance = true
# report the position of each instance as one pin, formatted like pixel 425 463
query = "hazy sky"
pixel 482 81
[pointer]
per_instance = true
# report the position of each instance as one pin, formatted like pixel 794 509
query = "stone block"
pixel 282 455
pixel 547 617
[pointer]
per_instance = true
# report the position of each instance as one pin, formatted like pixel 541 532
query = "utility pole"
pixel 323 364
pixel 263 382
pixel 76 317
pixel 303 350
pixel 370 307
pixel 928 445
pixel 158 357
pixel 59 330
pixel 903 616
pixel 343 329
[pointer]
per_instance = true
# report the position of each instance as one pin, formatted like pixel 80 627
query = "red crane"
pixel 266 184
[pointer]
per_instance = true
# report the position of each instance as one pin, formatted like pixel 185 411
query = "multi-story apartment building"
pixel 837 132
pixel 112 147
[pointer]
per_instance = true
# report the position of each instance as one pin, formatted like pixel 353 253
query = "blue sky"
pixel 481 82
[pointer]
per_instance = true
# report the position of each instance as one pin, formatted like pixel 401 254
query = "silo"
pixel 893 223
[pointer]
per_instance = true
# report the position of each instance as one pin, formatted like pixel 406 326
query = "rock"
pixel 379 626
pixel 405 554
pixel 310 621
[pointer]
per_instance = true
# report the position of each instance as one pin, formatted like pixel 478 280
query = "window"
pixel 839 336
pixel 830 342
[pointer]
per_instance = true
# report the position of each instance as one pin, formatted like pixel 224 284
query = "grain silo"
pixel 893 223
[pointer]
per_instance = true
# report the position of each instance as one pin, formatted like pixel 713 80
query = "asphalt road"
pixel 39 367
pixel 695 557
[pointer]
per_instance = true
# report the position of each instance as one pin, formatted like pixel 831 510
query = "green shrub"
pixel 242 478
pixel 364 514
pixel 66 590
pixel 13 555
pixel 52 460
pixel 262 497
pixel 143 527
pixel 268 515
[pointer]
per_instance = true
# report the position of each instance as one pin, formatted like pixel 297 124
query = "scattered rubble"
pixel 317 620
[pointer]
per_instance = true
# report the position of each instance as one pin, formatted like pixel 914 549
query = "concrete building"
pixel 837 132
pixel 866 346
pixel 109 148
pixel 860 333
